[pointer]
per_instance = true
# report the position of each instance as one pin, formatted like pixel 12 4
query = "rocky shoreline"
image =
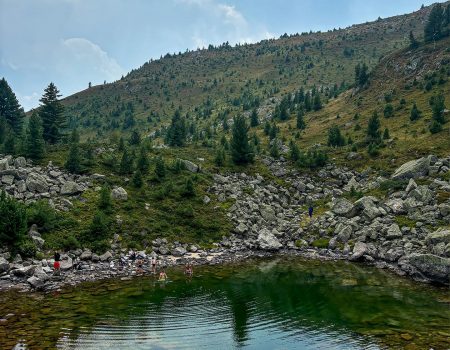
pixel 406 230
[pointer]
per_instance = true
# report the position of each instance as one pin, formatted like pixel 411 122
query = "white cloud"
pixel 86 52
pixel 29 101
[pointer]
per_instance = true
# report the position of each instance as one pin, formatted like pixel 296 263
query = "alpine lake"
pixel 279 303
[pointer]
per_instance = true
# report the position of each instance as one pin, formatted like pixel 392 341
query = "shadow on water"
pixel 280 303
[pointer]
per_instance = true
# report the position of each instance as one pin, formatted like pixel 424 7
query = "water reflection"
pixel 284 303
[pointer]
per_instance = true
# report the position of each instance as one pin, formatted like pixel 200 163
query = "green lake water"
pixel 284 303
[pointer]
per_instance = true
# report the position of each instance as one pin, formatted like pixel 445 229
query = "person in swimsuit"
pixel 162 275
pixel 153 262
pixel 57 264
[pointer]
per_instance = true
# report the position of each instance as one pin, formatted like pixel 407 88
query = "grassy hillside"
pixel 214 82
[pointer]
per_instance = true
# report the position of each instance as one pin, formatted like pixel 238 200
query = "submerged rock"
pixel 433 267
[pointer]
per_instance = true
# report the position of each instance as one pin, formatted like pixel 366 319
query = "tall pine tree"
pixel 241 151
pixel 51 113
pixel 35 139
pixel 254 121
pixel 176 133
pixel 434 26
pixel 373 129
pixel 10 108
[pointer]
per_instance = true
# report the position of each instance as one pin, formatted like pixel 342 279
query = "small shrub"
pixel 41 214
pixel 321 243
pixel 26 248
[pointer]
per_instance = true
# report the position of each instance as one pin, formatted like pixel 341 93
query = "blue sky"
pixel 74 42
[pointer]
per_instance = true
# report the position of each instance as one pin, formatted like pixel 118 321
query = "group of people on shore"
pixel 124 261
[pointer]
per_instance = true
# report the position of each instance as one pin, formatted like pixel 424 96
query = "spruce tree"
pixel 438 107
pixel 126 162
pixel 35 140
pixel 241 151
pixel 413 43
pixel 189 190
pixel 160 168
pixel 335 138
pixel 415 113
pixel 10 108
pixel 135 138
pixel 219 159
pixel 361 75
pixel 434 25
pixel 294 151
pixel 3 129
pixel 104 201
pixel 73 163
pixel 373 129
pixel 10 144
pixel 137 179
pixel 254 121
pixel 51 113
pixel 143 162
pixel 176 133
pixel 301 125
pixel 386 135
pixel 317 103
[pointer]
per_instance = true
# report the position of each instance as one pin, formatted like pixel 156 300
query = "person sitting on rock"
pixel 139 264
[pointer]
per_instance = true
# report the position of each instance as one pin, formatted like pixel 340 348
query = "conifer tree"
pixel 126 162
pixel 135 138
pixel 434 25
pixel 294 151
pixel 10 144
pixel 160 168
pixel 35 140
pixel 104 201
pixel 219 160
pixel 3 129
pixel 317 103
pixel 386 135
pixel 254 121
pixel 335 138
pixel 51 113
pixel 373 129
pixel 301 125
pixel 189 190
pixel 73 163
pixel 241 151
pixel 137 179
pixel 176 133
pixel 361 75
pixel 143 162
pixel 415 113
pixel 413 43
pixel 10 108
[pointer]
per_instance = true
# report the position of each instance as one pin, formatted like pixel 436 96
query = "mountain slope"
pixel 207 82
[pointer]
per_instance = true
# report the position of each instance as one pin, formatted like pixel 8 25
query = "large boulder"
pixel 359 250
pixel 4 164
pixel 412 169
pixel 86 255
pixel 4 265
pixel 35 282
pixel 440 236
pixel 267 241
pixel 367 207
pixel 433 267
pixel 178 251
pixel 36 183
pixel 343 207
pixel 106 256
pixel 66 264
pixel 20 162
pixel 422 194
pixel 192 167
pixel 393 232
pixel 268 213
pixel 70 188
pixel 119 194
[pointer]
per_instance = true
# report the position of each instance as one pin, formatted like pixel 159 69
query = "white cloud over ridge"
pixel 85 52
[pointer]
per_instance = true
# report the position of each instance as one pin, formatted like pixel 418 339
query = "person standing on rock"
pixel 310 211
pixel 57 264
pixel 153 262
